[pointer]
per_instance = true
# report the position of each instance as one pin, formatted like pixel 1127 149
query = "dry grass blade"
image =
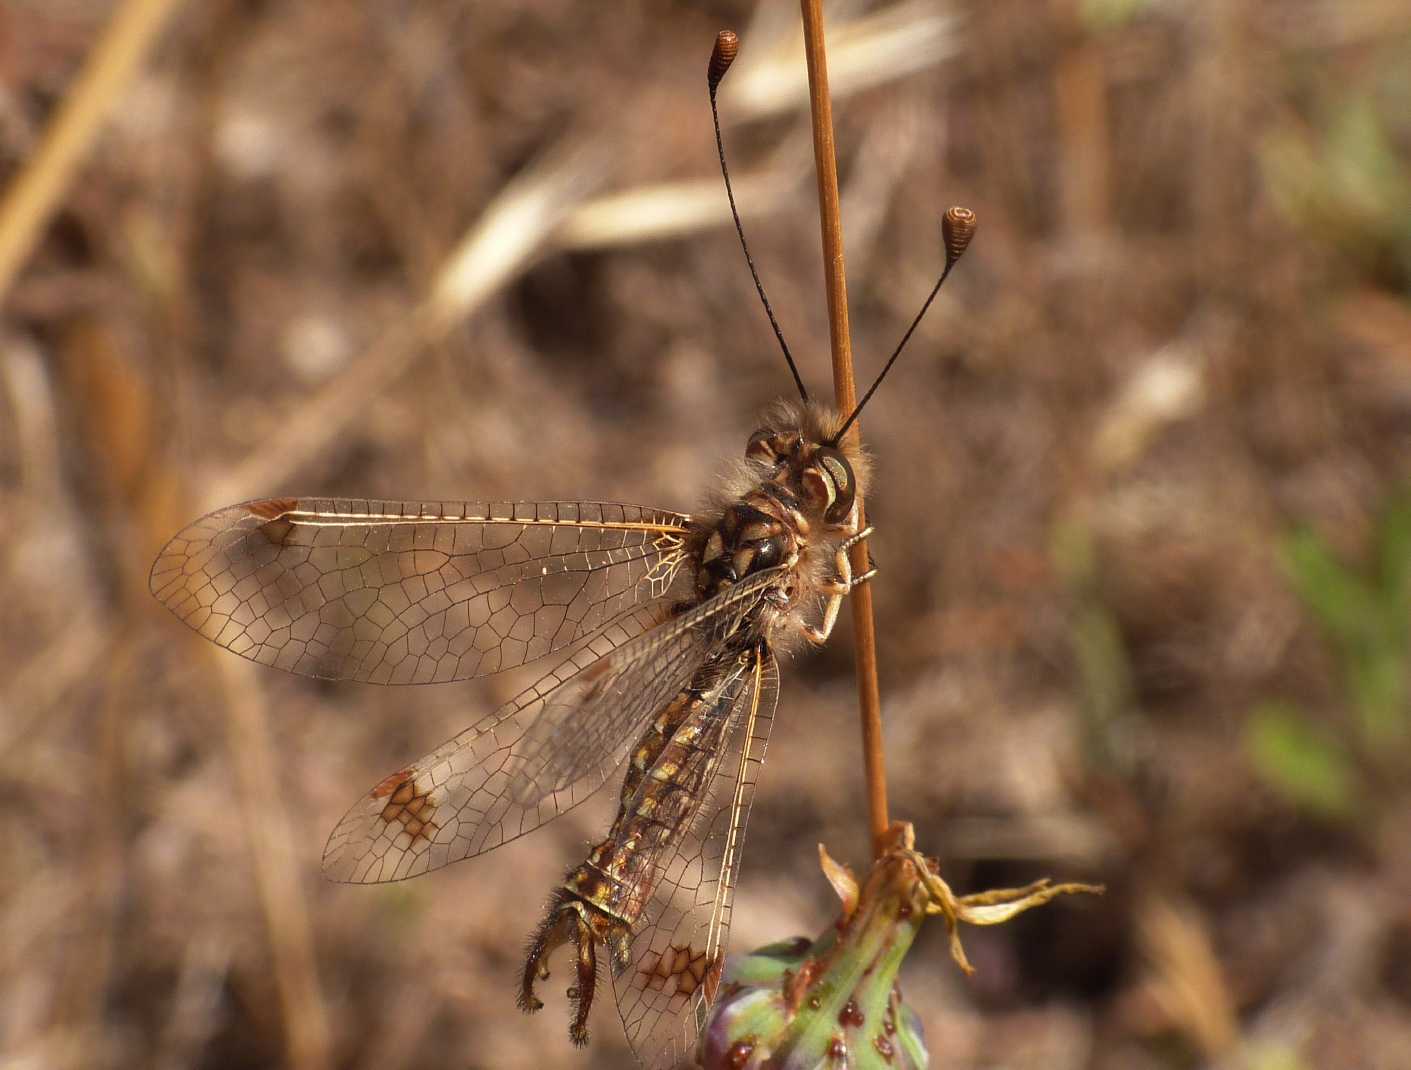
pixel 32 690
pixel 1187 982
pixel 667 210
pixel 866 52
pixel 38 685
pixel 511 233
pixel 507 238
pixel 276 875
pixel 32 197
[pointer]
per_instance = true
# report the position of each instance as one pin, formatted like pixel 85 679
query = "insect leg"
pixel 841 585
pixel 582 993
pixel 852 541
pixel 570 920
pixel 818 634
pixel 556 928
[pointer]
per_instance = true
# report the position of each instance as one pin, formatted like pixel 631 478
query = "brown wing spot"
pixel 387 785
pixel 712 977
pixel 273 508
pixel 408 803
pixel 682 970
pixel 594 678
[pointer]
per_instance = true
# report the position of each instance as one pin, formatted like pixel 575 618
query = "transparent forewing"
pixel 678 945
pixel 543 752
pixel 413 592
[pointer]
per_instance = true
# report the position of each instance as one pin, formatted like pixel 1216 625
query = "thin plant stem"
pixel 845 391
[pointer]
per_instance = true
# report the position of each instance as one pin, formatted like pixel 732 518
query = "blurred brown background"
pixel 1140 498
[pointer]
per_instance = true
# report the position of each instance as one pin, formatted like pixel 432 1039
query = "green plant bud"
pixel 832 1002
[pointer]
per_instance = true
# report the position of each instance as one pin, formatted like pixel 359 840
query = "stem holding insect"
pixel 845 391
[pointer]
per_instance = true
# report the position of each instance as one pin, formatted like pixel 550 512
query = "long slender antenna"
pixel 727 44
pixel 957 228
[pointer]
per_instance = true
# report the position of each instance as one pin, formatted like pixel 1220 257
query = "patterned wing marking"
pixel 543 752
pixel 408 592
pixel 680 971
pixel 678 945
pixel 410 804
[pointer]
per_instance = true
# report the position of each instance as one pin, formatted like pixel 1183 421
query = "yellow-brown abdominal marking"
pixel 665 771
pixel 601 901
pixel 651 745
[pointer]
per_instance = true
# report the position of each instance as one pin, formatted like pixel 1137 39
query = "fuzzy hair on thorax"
pixel 816 423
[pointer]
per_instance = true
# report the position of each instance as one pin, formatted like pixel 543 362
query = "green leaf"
pixel 1394 553
pixel 1343 602
pixel 1111 14
pixel 1102 664
pixel 1377 680
pixel 1366 170
pixel 1300 761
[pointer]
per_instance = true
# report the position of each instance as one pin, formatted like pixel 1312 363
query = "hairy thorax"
pixel 785 505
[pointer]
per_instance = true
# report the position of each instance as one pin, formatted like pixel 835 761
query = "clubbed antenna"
pixel 727 44
pixel 727 47
pixel 957 228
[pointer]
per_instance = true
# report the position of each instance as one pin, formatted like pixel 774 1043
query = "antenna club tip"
pixel 957 228
pixel 727 46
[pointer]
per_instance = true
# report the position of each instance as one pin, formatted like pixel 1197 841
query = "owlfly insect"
pixel 662 631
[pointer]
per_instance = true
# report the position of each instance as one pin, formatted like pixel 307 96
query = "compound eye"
pixel 768 554
pixel 761 448
pixel 838 472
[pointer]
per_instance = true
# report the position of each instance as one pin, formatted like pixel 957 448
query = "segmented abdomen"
pixel 668 775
